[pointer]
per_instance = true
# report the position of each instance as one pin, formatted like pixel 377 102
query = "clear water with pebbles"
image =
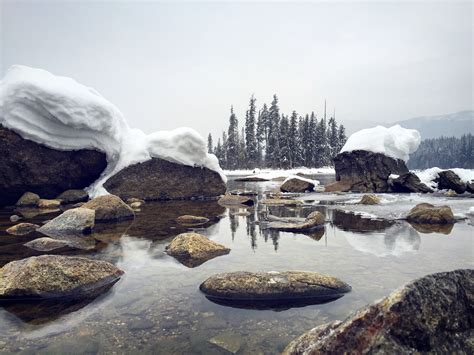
pixel 157 308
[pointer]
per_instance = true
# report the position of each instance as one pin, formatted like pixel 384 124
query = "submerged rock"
pixel 426 213
pixel 73 196
pixel 430 315
pixel 29 166
pixel 22 229
pixel 192 249
pixel 229 341
pixel 51 276
pixel 288 286
pixel 235 200
pixel 192 220
pixel 75 221
pixel 365 171
pixel 109 208
pixel 44 203
pixel 158 179
pixel 314 220
pixel 296 185
pixel 369 200
pixel 46 244
pixel 408 182
pixel 28 199
pixel 449 180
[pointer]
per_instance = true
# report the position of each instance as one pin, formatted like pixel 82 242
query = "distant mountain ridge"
pixel 449 125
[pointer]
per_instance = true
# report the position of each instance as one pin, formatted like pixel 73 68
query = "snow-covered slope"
pixel 396 142
pixel 63 114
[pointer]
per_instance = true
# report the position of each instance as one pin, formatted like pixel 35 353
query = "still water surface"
pixel 157 307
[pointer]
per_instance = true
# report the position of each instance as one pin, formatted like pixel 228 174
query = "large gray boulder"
pixel 29 166
pixel 158 179
pixel 364 171
pixel 76 221
pixel 433 314
pixel 52 276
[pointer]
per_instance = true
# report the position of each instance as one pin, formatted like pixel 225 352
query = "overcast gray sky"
pixel 167 65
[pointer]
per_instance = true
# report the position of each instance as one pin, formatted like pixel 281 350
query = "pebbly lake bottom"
pixel 157 308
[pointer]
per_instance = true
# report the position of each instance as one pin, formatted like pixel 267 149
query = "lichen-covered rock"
pixel 273 286
pixel 44 203
pixel 28 199
pixel 365 171
pixel 109 208
pixel 192 249
pixel 22 229
pixel 51 276
pixel 235 200
pixel 296 185
pixel 426 213
pixel 76 221
pixel 158 179
pixel 430 315
pixel 314 220
pixel 72 196
pixel 29 166
pixel 369 200
pixel 449 180
pixel 192 220
pixel 409 182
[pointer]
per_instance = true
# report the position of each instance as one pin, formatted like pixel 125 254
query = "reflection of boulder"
pixel 429 315
pixel 365 171
pixel 396 240
pixel 29 166
pixel 433 228
pixel 354 223
pixel 158 179
pixel 41 312
pixel 157 220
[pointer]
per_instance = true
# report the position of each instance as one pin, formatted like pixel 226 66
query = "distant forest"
pixel 444 152
pixel 273 140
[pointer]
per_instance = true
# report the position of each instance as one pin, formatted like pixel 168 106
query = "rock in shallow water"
pixel 273 287
pixel 314 220
pixel 45 203
pixel 46 244
pixel 158 179
pixel 192 220
pixel 408 182
pixel 109 208
pixel 28 199
pixel 72 196
pixel 296 185
pixel 369 200
pixel 29 166
pixel 235 200
pixel 75 221
pixel 449 180
pixel 22 229
pixel 192 249
pixel 430 315
pixel 426 213
pixel 51 276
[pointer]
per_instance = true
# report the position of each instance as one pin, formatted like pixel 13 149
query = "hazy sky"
pixel 167 65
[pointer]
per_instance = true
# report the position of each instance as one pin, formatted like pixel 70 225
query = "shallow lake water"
pixel 157 308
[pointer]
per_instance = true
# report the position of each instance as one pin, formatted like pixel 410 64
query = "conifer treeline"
pixel 273 140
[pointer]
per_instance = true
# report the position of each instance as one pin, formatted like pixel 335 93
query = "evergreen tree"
pixel 233 143
pixel 261 133
pixel 210 148
pixel 306 141
pixel 252 153
pixel 273 145
pixel 294 142
pixel 285 159
pixel 218 151
pixel 341 138
pixel 224 151
pixel 333 137
pixel 243 161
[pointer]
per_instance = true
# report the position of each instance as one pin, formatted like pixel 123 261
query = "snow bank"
pixel 63 114
pixel 396 142
pixel 428 176
pixel 279 173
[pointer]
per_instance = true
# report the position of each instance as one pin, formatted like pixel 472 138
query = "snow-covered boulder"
pixel 295 183
pixel 62 116
pixel 371 155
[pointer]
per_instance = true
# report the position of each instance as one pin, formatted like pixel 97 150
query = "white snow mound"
pixel 428 176
pixel 63 114
pixel 396 142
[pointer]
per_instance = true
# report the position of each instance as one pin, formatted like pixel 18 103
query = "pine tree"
pixel 224 151
pixel 285 159
pixel 341 137
pixel 250 136
pixel 333 137
pixel 243 161
pixel 233 142
pixel 210 148
pixel 306 140
pixel 273 145
pixel 294 142
pixel 260 134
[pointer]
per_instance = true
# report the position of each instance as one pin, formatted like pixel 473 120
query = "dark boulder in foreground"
pixel 433 314
pixel 51 276
pixel 449 180
pixel 273 288
pixel 158 179
pixel 365 171
pixel 409 182
pixel 193 249
pixel 109 208
pixel 29 166
pixel 426 213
